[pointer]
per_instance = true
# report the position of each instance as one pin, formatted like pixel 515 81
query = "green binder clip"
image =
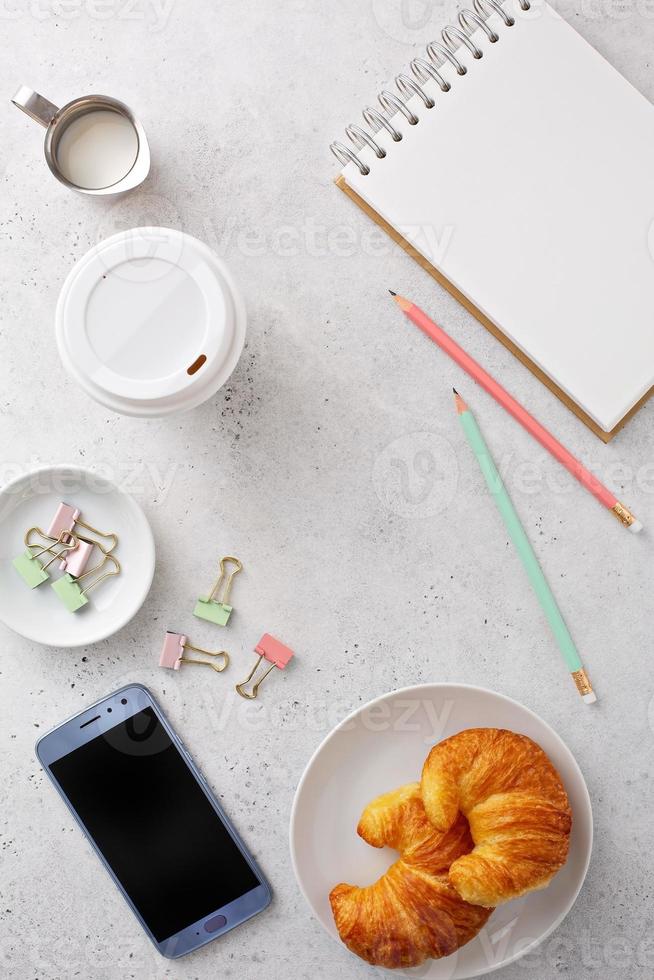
pixel 71 593
pixel 31 570
pixel 213 607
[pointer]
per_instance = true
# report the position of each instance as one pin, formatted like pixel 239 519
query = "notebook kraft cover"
pixel 606 437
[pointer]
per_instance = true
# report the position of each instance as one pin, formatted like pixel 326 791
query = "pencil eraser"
pixel 589 698
pixel 636 527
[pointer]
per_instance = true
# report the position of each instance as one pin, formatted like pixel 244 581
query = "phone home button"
pixel 217 922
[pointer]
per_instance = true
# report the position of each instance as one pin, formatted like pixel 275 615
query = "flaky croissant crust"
pixel 412 912
pixel 519 814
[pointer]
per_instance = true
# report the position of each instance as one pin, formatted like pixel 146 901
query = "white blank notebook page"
pixel 530 186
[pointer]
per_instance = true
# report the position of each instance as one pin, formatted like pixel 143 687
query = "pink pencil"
pixel 514 408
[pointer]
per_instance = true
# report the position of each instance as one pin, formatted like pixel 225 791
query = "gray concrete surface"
pixel 331 464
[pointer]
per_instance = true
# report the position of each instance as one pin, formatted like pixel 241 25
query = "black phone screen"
pixel 147 814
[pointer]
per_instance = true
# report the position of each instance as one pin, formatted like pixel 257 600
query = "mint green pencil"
pixel 525 550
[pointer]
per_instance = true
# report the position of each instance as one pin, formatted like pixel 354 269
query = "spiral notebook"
pixel 517 166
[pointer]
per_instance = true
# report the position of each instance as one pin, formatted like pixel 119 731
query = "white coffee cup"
pixel 150 322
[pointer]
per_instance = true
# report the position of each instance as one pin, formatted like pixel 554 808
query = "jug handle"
pixel 35 105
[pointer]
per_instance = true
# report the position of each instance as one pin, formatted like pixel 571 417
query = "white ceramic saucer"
pixel 38 614
pixel 383 745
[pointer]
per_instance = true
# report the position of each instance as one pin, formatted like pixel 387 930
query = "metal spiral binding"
pixel 424 69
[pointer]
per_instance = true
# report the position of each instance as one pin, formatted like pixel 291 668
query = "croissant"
pixel 515 803
pixel 412 912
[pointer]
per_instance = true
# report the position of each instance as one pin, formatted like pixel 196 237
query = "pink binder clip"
pixel 64 520
pixel 76 560
pixel 69 518
pixel 275 653
pixel 172 654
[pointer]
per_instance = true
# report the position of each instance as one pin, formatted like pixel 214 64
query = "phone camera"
pixel 123 700
pixel 109 710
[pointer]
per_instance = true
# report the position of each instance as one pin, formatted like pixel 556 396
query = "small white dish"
pixel 383 745
pixel 37 614
pixel 150 322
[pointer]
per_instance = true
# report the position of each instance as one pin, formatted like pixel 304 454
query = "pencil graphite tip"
pixel 461 406
pixel 404 304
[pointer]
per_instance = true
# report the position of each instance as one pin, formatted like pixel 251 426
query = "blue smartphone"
pixel 155 824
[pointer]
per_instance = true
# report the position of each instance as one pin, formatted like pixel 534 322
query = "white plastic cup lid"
pixel 150 322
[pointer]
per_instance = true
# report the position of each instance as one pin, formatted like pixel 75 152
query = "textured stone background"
pixel 331 463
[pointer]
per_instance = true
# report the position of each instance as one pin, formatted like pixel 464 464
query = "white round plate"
pixel 383 745
pixel 150 322
pixel 31 500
